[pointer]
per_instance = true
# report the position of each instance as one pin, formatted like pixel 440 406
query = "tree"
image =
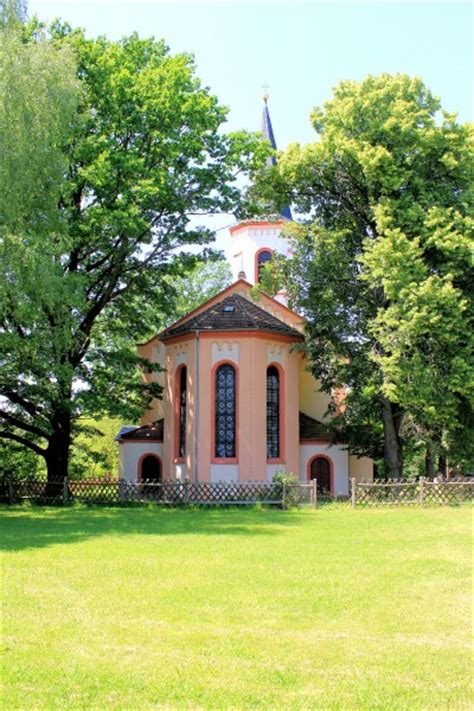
pixel 94 451
pixel 19 462
pixel 425 331
pixel 143 153
pixel 12 13
pixel 202 282
pixel 379 260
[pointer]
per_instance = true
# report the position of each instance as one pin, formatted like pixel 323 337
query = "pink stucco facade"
pixel 250 352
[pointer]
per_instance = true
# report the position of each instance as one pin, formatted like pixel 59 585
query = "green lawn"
pixel 147 608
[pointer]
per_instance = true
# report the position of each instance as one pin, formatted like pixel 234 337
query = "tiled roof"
pixel 234 313
pixel 152 431
pixel 312 429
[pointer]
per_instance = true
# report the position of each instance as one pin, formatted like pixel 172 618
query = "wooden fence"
pixel 421 492
pixel 166 493
pixel 392 492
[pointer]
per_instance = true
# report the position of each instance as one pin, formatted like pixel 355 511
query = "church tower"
pixel 254 241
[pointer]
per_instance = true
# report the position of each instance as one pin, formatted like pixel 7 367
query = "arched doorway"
pixel 320 469
pixel 150 468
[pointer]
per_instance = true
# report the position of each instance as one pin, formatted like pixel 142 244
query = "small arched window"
pixel 263 257
pixel 273 413
pixel 182 412
pixel 225 407
pixel 150 469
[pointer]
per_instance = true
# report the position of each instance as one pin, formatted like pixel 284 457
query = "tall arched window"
pixel 225 408
pixel 181 423
pixel 273 413
pixel 263 257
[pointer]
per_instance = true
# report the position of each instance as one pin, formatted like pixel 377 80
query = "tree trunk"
pixel 57 454
pixel 429 461
pixel 393 447
pixel 443 466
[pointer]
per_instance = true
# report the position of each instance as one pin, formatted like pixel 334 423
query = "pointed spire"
pixel 267 131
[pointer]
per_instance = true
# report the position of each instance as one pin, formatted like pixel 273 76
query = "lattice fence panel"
pixel 106 491
pixel 389 493
pixel 37 490
pixel 234 493
pixel 421 492
pixel 448 492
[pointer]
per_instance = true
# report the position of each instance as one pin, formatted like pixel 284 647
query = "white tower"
pixel 254 241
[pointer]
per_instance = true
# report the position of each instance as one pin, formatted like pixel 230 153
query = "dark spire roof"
pixel 234 313
pixel 267 131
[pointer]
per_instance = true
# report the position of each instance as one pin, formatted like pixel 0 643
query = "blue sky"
pixel 301 49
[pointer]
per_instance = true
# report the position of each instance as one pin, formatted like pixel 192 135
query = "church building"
pixel 238 403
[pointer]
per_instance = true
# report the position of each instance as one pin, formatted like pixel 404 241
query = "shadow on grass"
pixel 34 527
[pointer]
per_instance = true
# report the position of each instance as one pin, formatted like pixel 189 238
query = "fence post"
pixel 121 491
pixel 421 493
pixel 186 492
pixel 353 492
pixel 315 494
pixel 65 490
pixel 10 490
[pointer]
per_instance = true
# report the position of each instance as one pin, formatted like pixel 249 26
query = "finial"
pixel 265 88
pixel 242 274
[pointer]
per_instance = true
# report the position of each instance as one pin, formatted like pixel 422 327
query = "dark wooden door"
pixel 321 472
pixel 151 469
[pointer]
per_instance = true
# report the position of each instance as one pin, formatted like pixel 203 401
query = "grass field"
pixel 213 609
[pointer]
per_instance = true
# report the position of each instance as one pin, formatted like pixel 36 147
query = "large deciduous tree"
pixel 96 201
pixel 381 258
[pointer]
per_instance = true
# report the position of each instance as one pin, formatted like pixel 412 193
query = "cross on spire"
pixel 265 88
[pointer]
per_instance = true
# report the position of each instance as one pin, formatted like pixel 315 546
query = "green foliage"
pixel 19 462
pixel 202 282
pixel 39 96
pixel 283 477
pixel 95 452
pixel 287 481
pixel 425 330
pixel 382 265
pixel 12 14
pixel 91 273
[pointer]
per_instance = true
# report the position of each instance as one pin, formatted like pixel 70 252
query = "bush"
pixel 288 491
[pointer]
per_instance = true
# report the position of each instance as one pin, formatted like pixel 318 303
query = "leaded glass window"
pixel 225 412
pixel 182 412
pixel 273 413
pixel 263 258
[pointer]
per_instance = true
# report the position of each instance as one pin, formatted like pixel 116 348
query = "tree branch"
pixel 22 425
pixel 33 410
pixel 25 442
